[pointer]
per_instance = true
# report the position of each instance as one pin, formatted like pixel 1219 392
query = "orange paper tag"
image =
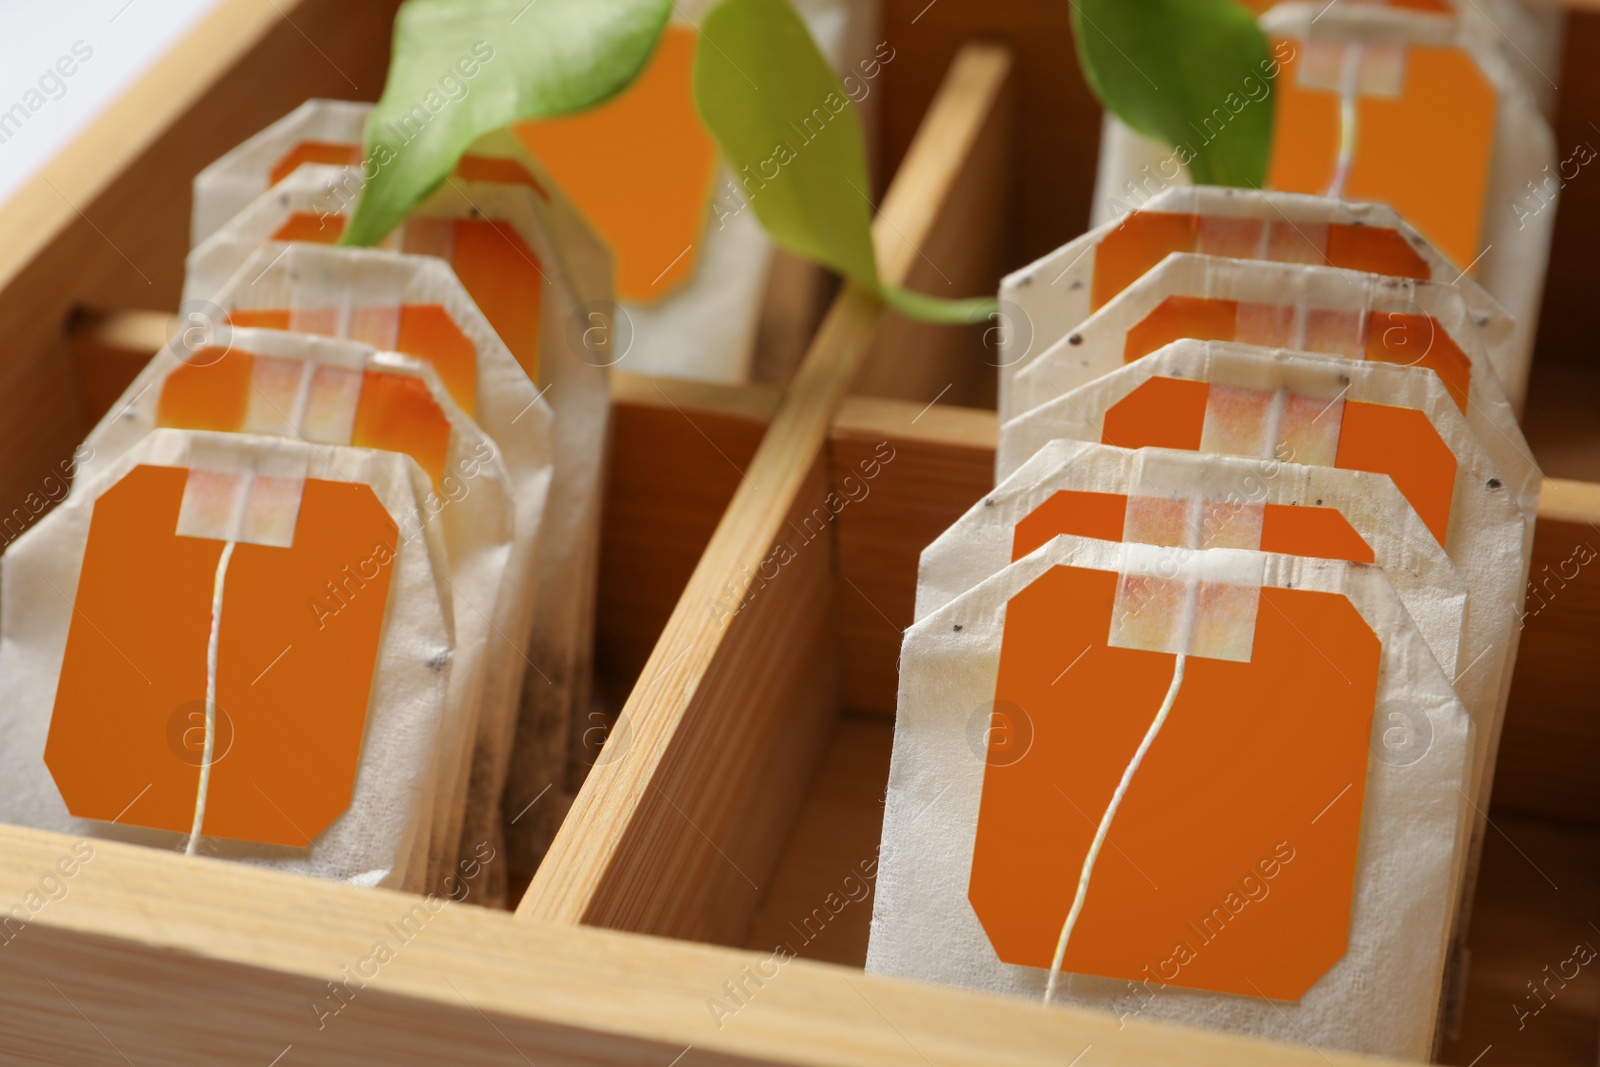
pixel 296 645
pixel 1409 340
pixel 1399 442
pixel 1145 238
pixel 1226 867
pixel 650 215
pixel 1423 132
pixel 235 393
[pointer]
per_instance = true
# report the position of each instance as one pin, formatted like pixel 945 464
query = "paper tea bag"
pixel 1052 296
pixel 1339 314
pixel 691 261
pixel 1239 400
pixel 543 283
pixel 1445 132
pixel 1529 37
pixel 229 645
pixel 338 392
pixel 416 306
pixel 1216 719
pixel 1429 97
pixel 1158 496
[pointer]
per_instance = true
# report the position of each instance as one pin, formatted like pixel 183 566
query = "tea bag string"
pixel 1104 829
pixel 1349 90
pixel 236 523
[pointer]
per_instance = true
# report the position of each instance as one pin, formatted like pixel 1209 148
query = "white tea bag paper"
pixel 276 384
pixel 225 645
pixel 1214 720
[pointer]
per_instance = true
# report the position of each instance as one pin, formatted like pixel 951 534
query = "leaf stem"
pixel 937 310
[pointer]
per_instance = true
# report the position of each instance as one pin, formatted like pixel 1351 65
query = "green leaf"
pixel 465 68
pixel 793 140
pixel 1187 72
pixel 937 309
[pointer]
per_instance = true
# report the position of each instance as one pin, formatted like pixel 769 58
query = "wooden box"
pixel 736 803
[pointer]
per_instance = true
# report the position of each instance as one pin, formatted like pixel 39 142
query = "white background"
pixel 127 37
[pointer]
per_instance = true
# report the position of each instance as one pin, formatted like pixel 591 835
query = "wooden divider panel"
pixel 613 861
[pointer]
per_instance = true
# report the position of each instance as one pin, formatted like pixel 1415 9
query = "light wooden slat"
pixel 963 257
pixel 677 450
pixel 653 813
pixel 819 903
pixel 149 957
pixel 108 349
pixel 1565 500
pixel 675 455
pixel 943 460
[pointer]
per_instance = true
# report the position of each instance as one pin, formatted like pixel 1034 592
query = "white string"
pixel 1104 828
pixel 211 700
pixel 241 502
pixel 1349 89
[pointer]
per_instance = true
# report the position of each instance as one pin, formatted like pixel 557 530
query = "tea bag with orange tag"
pixel 416 306
pixel 1214 397
pixel 1527 37
pixel 228 645
pixel 1052 296
pixel 1152 780
pixel 1342 315
pixel 1441 128
pixel 1201 500
pixel 324 391
pixel 1425 96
